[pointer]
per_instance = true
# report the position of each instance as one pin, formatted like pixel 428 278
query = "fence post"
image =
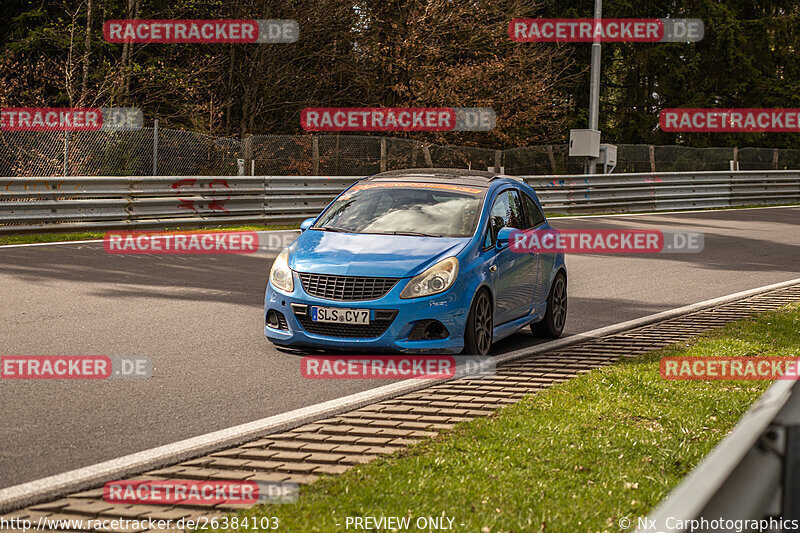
pixel 66 152
pixel 552 158
pixel 247 151
pixel 155 147
pixel 383 154
pixel 774 159
pixel 426 151
pixel 652 158
pixel 315 155
pixel 498 161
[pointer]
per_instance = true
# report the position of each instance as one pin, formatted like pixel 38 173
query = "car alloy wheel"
pixel 480 326
pixel 559 303
pixel 552 325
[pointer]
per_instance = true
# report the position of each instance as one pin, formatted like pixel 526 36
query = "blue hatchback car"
pixel 417 261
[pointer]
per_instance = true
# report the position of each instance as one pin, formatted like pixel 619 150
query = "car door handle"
pixel 493 268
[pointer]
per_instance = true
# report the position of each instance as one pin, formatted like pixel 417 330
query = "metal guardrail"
pixel 84 203
pixel 100 203
pixel 665 191
pixel 752 475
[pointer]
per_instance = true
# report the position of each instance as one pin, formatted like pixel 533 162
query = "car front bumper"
pixel 449 308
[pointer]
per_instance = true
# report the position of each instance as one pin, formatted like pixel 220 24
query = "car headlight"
pixel 436 279
pixel 281 274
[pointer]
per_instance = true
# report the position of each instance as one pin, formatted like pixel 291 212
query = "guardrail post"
pixel 383 154
pixel 266 203
pixel 789 420
pixel 315 155
pixel 791 475
pixel 730 190
pixel 66 153
pixel 155 147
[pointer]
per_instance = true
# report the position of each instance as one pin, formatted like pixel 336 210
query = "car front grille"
pixel 346 288
pixel 383 319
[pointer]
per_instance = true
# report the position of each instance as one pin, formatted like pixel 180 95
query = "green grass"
pixel 574 458
pixel 93 235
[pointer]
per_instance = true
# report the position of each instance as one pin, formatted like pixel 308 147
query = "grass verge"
pixel 576 457
pixel 94 235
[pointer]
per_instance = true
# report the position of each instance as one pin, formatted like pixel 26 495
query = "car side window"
pixel 533 214
pixel 506 213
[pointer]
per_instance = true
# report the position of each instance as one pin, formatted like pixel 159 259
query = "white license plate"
pixel 340 315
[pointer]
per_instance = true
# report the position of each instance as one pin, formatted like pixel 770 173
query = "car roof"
pixel 477 178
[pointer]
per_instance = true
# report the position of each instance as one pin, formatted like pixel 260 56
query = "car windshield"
pixel 395 208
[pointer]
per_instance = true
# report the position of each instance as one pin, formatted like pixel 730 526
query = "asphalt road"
pixel 199 319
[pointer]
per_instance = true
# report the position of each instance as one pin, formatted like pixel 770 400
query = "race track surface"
pixel 200 321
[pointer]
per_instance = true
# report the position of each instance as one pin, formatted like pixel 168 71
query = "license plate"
pixel 340 315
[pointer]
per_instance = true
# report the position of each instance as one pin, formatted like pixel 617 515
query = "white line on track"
pixel 552 218
pixel 101 240
pixel 644 214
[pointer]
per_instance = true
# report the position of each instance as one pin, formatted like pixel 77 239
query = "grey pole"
pixel 155 147
pixel 594 88
pixel 66 153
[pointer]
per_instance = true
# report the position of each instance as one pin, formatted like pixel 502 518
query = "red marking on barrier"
pixel 181 183
pixel 186 204
pixel 218 205
pixel 183 203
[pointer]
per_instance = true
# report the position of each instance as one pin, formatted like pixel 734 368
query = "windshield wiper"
pixel 331 228
pixel 410 233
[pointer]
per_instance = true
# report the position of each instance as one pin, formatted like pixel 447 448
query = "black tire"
pixel 555 317
pixel 480 325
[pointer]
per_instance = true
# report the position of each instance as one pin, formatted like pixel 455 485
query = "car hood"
pixel 353 254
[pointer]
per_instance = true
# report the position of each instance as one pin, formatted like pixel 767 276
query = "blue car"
pixel 417 261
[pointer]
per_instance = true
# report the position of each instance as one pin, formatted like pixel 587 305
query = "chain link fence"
pixel 167 152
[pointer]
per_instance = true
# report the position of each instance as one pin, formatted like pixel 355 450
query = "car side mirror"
pixel 503 237
pixel 307 223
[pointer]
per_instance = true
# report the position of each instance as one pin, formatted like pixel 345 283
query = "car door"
pixel 545 262
pixel 513 274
